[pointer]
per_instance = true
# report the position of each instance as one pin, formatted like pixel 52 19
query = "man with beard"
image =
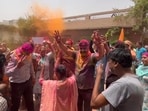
pixel 84 68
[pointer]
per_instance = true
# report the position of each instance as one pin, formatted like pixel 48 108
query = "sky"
pixel 14 9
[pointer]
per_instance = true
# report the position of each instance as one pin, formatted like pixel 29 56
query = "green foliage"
pixel 26 27
pixel 140 13
pixel 112 34
pixel 8 28
pixel 119 17
pixel 32 26
pixel 11 30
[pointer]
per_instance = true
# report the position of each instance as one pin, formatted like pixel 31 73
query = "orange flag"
pixel 121 37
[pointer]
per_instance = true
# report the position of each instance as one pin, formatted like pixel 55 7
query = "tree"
pixel 7 33
pixel 8 28
pixel 26 27
pixel 140 14
pixel 120 17
pixel 32 26
pixel 112 34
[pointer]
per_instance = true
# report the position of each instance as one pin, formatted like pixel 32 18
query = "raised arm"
pixel 106 44
pixel 61 44
pixel 98 100
pixel 97 40
pixel 41 79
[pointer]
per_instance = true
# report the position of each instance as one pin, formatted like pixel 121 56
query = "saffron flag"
pixel 121 37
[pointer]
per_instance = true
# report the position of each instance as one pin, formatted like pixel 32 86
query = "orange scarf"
pixel 81 62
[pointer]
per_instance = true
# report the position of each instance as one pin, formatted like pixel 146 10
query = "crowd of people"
pixel 56 76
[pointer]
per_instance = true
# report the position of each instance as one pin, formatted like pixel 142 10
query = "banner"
pixel 37 40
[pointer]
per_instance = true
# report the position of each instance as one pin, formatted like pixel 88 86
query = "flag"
pixel 121 37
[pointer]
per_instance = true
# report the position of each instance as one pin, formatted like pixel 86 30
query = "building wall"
pixel 77 35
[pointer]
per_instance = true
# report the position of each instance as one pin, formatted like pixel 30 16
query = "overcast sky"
pixel 13 9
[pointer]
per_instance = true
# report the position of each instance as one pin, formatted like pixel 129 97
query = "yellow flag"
pixel 121 37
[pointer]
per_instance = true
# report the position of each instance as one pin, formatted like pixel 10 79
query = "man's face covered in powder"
pixel 83 50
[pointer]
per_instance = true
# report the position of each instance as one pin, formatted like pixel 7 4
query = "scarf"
pixel 142 70
pixel 81 62
pixel 59 95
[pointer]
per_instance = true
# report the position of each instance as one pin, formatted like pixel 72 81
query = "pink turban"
pixel 83 43
pixel 27 47
pixel 145 54
pixel 69 42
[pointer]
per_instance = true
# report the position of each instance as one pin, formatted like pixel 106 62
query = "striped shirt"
pixel 19 75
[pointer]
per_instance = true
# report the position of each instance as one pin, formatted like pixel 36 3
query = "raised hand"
pixel 100 69
pixel 103 39
pixel 20 61
pixel 57 36
pixel 96 37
